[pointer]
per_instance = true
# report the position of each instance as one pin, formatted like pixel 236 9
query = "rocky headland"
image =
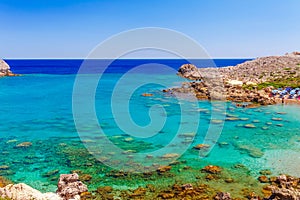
pixel 251 81
pixel 5 69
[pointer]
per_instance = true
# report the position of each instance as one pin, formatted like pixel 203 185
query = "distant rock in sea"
pixel 5 69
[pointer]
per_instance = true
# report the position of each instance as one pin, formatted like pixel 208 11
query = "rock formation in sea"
pixel 69 188
pixel 5 69
pixel 240 83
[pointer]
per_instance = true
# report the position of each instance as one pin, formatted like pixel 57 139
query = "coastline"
pixel 204 180
pixel 252 81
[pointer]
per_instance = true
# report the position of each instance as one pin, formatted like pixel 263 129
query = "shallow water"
pixel 38 108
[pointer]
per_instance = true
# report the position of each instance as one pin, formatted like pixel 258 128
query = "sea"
pixel 110 122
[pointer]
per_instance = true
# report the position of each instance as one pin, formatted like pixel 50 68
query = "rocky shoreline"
pixel 282 187
pixel 251 81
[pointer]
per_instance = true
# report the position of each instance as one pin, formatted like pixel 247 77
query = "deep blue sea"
pixel 120 119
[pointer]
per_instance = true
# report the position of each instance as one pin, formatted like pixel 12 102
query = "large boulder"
pixel 189 71
pixel 69 187
pixel 285 188
pixel 22 191
pixel 284 194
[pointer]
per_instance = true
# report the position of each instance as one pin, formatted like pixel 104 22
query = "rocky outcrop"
pixel 238 83
pixel 5 69
pixel 22 191
pixel 69 187
pixel 285 188
pixel 189 71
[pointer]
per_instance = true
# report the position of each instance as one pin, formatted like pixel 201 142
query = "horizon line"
pixel 128 58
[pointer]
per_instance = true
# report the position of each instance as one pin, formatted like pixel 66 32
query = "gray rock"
pixel 69 186
pixel 189 71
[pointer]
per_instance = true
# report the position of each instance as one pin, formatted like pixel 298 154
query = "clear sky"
pixel 72 28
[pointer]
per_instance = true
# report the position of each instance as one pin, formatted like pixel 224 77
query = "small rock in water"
pixel 223 144
pixel 223 196
pixel 256 153
pixel 212 169
pixel 11 141
pixel 128 139
pixel 263 179
pixel 163 169
pixel 264 128
pixel 201 146
pixel 276 119
pixel 244 119
pixel 147 95
pixel 170 156
pixel 216 121
pixel 281 113
pixel 24 145
pixel 265 172
pixel 85 177
pixel 249 126
pixel 51 173
pixel 232 119
pixel 279 125
pixel 229 180
pixel 187 135
pixel 256 121
pixel 140 191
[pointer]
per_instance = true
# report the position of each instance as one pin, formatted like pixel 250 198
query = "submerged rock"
pixel 163 169
pixel 201 146
pixel 24 145
pixel 147 95
pixel 223 196
pixel 212 169
pixel 249 126
pixel 170 156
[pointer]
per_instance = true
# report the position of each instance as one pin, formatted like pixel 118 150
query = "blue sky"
pixel 72 28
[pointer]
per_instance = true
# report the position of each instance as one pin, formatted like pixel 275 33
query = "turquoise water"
pixel 37 108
